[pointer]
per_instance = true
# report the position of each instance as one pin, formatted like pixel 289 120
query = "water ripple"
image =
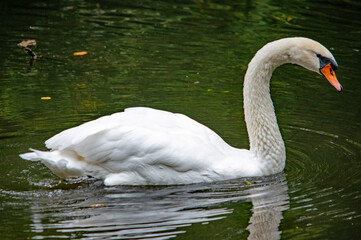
pixel 100 212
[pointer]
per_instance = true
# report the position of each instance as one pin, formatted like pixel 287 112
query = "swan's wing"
pixel 75 135
pixel 142 136
pixel 136 117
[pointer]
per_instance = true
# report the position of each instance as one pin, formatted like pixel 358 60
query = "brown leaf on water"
pixel 26 43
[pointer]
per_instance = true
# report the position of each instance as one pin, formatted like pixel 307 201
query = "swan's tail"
pixel 61 165
pixel 30 156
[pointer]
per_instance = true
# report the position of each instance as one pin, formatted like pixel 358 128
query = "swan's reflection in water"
pixel 268 203
pixel 159 212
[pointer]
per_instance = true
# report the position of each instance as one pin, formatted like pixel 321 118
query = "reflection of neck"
pixel 268 203
pixel 264 135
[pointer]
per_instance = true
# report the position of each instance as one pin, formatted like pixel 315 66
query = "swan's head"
pixel 314 57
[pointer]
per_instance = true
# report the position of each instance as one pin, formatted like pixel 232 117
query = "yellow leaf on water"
pixel 80 53
pixel 226 91
pixel 248 182
pixel 209 90
pixel 97 205
pixel 45 98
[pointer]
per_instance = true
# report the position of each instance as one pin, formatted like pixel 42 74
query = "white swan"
pixel 146 146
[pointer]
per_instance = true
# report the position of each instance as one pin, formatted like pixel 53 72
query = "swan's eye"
pixel 324 61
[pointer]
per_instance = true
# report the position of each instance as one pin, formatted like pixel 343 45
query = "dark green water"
pixel 188 57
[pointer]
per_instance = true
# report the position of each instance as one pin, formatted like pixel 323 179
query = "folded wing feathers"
pixel 134 139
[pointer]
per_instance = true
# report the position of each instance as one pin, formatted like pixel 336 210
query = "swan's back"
pixel 133 123
pixel 138 146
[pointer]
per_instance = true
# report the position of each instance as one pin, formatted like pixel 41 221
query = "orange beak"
pixel 330 75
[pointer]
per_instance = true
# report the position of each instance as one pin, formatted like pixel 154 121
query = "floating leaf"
pixel 248 182
pixel 26 43
pixel 45 98
pixel 97 205
pixel 80 53
pixel 226 91
pixel 282 17
pixel 209 90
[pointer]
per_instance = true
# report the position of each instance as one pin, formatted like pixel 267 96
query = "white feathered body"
pixel 145 146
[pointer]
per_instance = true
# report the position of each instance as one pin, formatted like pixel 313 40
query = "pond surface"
pixel 188 57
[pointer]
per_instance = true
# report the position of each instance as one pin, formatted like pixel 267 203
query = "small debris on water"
pixel 80 53
pixel 97 205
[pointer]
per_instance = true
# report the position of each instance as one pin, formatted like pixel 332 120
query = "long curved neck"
pixel 264 135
